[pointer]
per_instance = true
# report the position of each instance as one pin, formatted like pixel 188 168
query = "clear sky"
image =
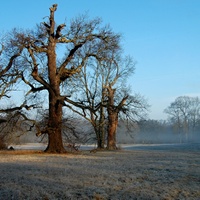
pixel 163 36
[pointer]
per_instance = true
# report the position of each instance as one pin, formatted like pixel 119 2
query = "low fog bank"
pixel 156 138
pixel 154 134
pixel 184 147
pixel 124 137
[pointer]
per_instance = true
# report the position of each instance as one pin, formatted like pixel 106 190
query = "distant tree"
pixel 184 113
pixel 43 70
pixel 194 114
pixel 154 131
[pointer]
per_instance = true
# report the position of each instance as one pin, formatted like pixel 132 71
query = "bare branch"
pixel 69 57
pixel 33 89
pixel 35 73
pixel 7 68
pixel 8 110
pixel 2 49
pixel 58 30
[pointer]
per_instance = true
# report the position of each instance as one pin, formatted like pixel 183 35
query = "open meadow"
pixel 165 172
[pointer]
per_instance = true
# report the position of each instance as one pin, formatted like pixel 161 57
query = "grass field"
pixel 126 174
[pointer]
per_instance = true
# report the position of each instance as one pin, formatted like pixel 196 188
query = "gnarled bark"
pixel 113 112
pixel 112 129
pixel 112 120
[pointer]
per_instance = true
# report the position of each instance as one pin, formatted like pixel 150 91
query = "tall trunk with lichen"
pixel 113 115
pixel 55 143
pixel 54 130
pixel 112 120
pixel 112 130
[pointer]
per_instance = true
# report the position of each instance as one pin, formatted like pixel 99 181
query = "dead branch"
pixel 7 68
pixel 58 30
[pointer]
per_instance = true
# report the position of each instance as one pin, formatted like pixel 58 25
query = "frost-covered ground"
pixel 138 172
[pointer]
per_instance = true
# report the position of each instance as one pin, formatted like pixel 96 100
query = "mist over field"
pixel 126 141
pixel 150 135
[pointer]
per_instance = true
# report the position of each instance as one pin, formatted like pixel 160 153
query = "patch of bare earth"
pixel 102 175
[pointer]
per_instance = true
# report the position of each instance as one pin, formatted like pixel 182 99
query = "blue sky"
pixel 163 36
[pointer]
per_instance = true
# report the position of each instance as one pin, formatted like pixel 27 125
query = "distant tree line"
pixel 182 125
pixel 184 117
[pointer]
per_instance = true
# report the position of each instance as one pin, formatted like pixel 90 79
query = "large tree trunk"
pixel 112 120
pixel 113 112
pixel 112 129
pixel 55 143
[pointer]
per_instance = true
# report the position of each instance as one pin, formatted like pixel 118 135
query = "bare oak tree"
pixel 118 98
pixel 83 39
pixel 104 95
